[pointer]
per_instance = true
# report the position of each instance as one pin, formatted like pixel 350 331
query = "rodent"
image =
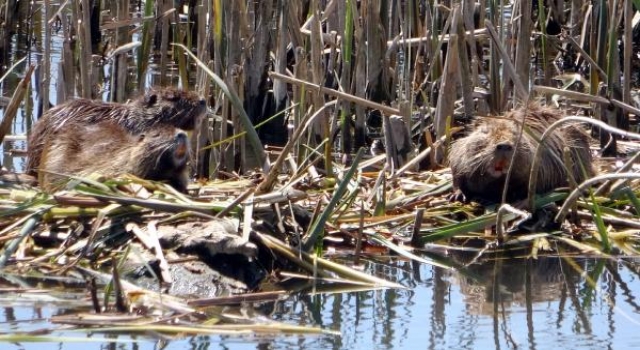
pixel 160 153
pixel 158 106
pixel 480 161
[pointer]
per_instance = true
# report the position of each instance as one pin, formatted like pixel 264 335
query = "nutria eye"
pixel 151 100
pixel 181 137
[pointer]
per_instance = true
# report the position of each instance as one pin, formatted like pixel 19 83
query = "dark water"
pixel 503 304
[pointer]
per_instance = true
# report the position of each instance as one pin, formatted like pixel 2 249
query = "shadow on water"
pixel 578 303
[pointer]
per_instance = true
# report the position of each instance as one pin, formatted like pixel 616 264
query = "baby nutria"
pixel 166 106
pixel 160 153
pixel 480 161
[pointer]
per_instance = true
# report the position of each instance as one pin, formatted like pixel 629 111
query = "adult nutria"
pixel 160 153
pixel 159 106
pixel 480 161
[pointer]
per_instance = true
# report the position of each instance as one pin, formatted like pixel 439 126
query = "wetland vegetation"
pixel 319 213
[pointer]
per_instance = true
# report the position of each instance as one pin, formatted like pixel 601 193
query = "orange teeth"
pixel 181 150
pixel 501 165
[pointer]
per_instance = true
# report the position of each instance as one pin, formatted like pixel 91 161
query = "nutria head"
pixel 162 154
pixel 489 150
pixel 182 109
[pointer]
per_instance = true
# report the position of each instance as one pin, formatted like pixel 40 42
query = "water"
pixel 535 305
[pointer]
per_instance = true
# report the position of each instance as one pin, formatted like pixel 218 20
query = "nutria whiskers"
pixel 480 161
pixel 163 106
pixel 161 153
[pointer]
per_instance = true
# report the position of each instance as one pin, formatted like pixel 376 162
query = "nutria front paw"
pixel 458 196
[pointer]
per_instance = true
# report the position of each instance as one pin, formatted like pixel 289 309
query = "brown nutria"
pixel 160 153
pixel 480 161
pixel 166 106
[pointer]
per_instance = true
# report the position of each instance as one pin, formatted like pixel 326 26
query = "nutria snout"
pixel 158 106
pixel 481 160
pixel 163 159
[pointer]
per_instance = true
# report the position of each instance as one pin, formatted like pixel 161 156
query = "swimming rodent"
pixel 158 106
pixel 480 161
pixel 160 153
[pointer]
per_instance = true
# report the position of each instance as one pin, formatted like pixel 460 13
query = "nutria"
pixel 160 153
pixel 480 161
pixel 167 106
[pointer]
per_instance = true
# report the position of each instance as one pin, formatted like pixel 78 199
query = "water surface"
pixel 502 304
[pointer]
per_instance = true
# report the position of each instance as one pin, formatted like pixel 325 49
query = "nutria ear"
pixel 150 99
pixel 141 137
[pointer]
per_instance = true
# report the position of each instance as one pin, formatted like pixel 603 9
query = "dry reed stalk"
pixel 355 99
pixel 164 7
pixel 282 39
pixel 465 79
pixel 82 21
pixel 202 49
pixel 203 133
pixel 320 128
pixel 468 12
pixel 377 63
pixel 359 84
pixel 232 14
pixel 45 71
pixel 148 28
pixel 628 50
pixel 522 28
pixel 495 90
pixel 67 78
pixel 346 78
pixel 120 63
pixel 299 95
pixel 16 100
pixel 447 95
pixel 521 93
pixel 217 33
pixel 182 34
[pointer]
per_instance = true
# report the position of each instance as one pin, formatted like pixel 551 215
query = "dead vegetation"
pixel 316 79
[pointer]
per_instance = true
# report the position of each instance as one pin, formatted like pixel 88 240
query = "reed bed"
pixel 296 90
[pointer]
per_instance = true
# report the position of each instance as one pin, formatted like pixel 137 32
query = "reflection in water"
pixel 513 283
pixel 498 304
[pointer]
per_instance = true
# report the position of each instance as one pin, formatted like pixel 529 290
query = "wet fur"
pixel 107 148
pixel 472 157
pixel 161 106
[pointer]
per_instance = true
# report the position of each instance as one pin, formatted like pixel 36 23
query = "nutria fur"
pixel 160 106
pixel 479 162
pixel 160 153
